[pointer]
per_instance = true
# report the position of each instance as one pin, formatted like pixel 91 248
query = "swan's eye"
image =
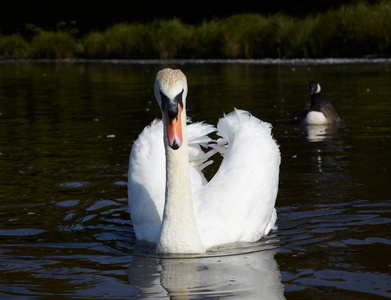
pixel 165 100
pixel 172 106
pixel 179 99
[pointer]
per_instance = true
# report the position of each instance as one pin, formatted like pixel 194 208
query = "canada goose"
pixel 318 112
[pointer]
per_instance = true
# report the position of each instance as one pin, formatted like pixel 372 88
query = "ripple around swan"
pixel 270 242
pixel 74 184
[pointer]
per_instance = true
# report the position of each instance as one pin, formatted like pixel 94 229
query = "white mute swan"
pixel 171 203
pixel 318 112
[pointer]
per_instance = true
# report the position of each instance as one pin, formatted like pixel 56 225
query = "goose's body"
pixel 170 201
pixel 318 112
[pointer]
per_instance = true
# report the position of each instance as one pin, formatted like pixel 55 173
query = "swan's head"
pixel 170 92
pixel 314 87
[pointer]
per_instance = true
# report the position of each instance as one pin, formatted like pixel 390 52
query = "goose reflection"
pixel 318 133
pixel 253 275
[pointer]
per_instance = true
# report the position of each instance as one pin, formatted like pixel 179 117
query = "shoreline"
pixel 263 61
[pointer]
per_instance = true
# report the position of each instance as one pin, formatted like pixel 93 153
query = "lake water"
pixel 66 130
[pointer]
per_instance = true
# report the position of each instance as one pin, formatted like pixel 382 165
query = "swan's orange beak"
pixel 173 128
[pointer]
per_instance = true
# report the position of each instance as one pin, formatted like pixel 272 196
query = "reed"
pixel 128 41
pixel 58 45
pixel 295 36
pixel 368 28
pixel 244 35
pixel 172 38
pixel 95 45
pixel 317 36
pixel 351 31
pixel 208 40
pixel 15 46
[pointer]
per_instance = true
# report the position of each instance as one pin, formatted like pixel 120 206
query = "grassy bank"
pixel 351 31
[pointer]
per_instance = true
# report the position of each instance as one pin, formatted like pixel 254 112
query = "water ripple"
pixel 21 232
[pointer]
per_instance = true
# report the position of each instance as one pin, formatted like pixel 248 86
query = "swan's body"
pixel 318 112
pixel 170 201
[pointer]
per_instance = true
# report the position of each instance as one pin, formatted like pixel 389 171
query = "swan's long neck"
pixel 179 231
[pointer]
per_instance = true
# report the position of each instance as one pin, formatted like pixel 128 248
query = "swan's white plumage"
pixel 239 200
pixel 147 171
pixel 236 205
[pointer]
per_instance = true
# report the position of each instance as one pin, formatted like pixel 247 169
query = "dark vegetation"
pixel 353 30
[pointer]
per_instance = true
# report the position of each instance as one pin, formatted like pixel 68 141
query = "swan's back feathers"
pixel 230 125
pixel 241 196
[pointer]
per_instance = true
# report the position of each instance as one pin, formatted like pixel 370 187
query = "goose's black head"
pixel 314 87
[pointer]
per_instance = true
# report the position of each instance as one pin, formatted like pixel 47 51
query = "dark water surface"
pixel 66 130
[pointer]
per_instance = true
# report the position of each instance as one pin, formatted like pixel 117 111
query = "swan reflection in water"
pixel 251 275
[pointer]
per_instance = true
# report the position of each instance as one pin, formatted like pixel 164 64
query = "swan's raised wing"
pixel 238 203
pixel 146 182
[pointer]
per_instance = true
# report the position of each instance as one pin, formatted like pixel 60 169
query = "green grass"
pixel 351 31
